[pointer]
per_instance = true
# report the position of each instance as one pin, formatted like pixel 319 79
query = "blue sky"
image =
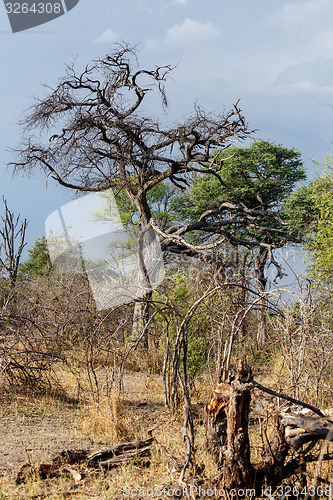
pixel 276 56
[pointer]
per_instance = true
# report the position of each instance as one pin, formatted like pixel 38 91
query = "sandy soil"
pixel 32 431
pixel 36 429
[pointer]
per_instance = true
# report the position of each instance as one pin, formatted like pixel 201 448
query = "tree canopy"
pixel 97 137
pixel 309 215
pixel 258 176
pixel 38 262
pixel 90 133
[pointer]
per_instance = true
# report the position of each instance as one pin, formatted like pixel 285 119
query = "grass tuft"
pixel 106 420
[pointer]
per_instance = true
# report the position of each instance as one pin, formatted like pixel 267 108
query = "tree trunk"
pixel 261 282
pixel 141 308
pixel 216 422
pixel 140 319
pixel 237 468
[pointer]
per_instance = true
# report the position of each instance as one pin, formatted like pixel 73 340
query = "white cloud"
pixel 108 36
pixel 296 33
pixel 298 13
pixel 317 74
pixel 189 32
pixel 180 2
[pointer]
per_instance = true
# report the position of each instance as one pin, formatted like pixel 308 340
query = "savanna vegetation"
pixel 218 378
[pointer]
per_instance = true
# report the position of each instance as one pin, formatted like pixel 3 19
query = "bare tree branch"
pixel 13 231
pixel 94 137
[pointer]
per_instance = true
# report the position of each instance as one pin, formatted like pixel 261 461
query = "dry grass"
pixel 49 425
pixel 37 428
pixel 107 420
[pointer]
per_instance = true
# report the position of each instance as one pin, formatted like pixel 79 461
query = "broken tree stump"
pixel 237 467
pixel 292 424
pixel 226 422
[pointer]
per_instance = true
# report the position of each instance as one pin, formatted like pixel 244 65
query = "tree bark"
pixel 216 421
pixel 12 243
pixel 261 282
pixel 141 308
pixel 106 457
pixel 140 319
pixel 238 468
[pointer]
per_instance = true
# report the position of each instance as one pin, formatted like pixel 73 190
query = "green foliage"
pixel 301 212
pixel 321 245
pixel 182 291
pixel 260 176
pixel 39 262
pixel 309 213
pixel 197 350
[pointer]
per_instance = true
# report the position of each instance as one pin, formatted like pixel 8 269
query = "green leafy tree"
pixel 38 262
pixel 301 213
pixel 259 176
pixel 256 177
pixel 309 214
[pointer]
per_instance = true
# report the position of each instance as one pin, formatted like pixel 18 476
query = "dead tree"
pixel 12 243
pixel 96 136
pixel 294 424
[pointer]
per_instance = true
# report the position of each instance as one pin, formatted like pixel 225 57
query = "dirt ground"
pixel 34 429
pixel 31 431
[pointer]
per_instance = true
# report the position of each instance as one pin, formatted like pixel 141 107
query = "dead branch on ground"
pixel 65 461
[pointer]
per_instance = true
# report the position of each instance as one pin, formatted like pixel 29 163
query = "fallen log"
pixel 290 399
pixel 121 453
pixel 301 429
pixel 106 457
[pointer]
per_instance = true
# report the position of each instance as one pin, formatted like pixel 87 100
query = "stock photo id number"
pixel 29 14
